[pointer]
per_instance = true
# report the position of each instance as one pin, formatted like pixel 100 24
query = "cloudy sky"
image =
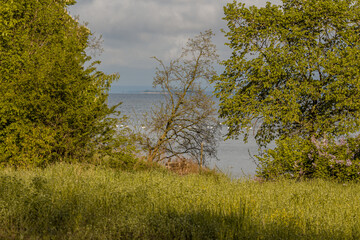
pixel 135 30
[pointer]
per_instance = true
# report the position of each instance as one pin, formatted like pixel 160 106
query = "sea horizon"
pixel 129 89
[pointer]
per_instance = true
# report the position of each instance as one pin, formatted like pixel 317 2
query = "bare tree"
pixel 185 123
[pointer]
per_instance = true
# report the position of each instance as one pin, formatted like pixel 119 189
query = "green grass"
pixel 85 202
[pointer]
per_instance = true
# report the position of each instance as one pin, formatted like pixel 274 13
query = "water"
pixel 233 154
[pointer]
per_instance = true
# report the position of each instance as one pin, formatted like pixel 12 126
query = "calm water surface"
pixel 233 154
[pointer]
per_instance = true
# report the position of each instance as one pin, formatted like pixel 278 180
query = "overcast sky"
pixel 135 30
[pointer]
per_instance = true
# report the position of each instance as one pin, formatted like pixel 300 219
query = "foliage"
pixel 298 158
pixel 336 159
pixel 186 119
pixel 288 159
pixel 293 73
pixel 52 108
pixel 86 202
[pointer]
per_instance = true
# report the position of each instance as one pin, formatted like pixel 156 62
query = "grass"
pixel 86 202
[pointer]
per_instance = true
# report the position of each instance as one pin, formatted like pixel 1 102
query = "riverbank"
pixel 86 202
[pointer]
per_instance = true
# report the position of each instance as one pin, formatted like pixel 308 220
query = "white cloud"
pixel 135 30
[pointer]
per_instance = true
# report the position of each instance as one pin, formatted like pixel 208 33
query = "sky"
pixel 133 31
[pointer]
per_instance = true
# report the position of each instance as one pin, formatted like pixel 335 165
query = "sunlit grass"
pixel 85 202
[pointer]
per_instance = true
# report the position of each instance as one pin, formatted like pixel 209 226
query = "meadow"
pixel 74 201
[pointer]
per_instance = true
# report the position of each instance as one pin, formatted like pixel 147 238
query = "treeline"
pixel 293 78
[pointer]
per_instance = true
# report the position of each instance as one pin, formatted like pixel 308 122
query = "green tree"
pixel 294 74
pixel 52 108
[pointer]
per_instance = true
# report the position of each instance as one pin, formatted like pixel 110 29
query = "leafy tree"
pixel 186 119
pixel 52 108
pixel 293 74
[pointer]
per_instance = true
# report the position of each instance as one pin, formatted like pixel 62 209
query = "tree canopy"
pixel 294 69
pixel 52 107
pixel 294 77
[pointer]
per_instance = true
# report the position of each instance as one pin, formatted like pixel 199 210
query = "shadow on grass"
pixel 36 211
pixel 209 225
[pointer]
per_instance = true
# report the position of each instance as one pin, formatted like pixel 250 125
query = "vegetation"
pixel 52 108
pixel 185 124
pixel 300 88
pixel 294 78
pixel 87 202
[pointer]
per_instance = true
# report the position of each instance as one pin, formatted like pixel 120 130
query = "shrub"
pixel 308 158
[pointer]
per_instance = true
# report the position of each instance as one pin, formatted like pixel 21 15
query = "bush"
pixel 312 158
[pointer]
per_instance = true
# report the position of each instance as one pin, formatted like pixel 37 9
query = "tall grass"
pixel 86 202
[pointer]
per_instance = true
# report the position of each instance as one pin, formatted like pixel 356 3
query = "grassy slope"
pixel 79 202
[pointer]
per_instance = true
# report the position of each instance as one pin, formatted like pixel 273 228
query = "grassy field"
pixel 85 202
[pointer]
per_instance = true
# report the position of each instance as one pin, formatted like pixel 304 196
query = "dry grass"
pixel 184 166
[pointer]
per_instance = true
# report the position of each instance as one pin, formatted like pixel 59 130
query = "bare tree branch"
pixel 187 117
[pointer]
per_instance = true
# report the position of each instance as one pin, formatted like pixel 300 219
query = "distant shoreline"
pixel 140 92
pixel 154 92
pixel 147 92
